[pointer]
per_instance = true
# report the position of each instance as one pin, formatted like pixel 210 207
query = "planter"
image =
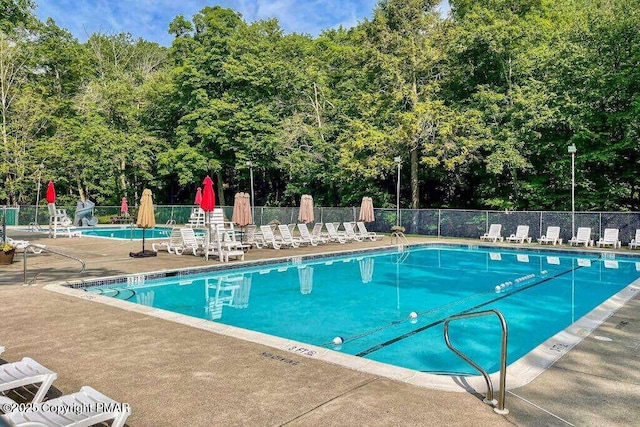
pixel 6 258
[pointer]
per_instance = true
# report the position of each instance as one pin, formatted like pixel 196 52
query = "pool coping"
pixel 520 372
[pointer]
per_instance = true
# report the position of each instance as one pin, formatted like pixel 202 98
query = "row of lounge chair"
pixel 225 243
pixel 267 236
pixel 83 408
pixel 552 236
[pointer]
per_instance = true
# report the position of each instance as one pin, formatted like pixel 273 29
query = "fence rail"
pixel 429 222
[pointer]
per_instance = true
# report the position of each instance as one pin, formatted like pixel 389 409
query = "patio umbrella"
pixel 124 206
pixel 198 199
pixel 306 209
pixel 208 203
pixel 51 193
pixel 146 219
pixel 241 210
pixel 366 210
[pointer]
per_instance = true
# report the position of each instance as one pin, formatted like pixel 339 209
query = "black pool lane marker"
pixel 437 322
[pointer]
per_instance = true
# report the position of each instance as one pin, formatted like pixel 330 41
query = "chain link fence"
pixel 428 222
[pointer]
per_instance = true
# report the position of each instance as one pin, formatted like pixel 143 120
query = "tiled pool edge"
pixel 521 372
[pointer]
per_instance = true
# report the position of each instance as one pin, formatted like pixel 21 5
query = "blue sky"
pixel 150 19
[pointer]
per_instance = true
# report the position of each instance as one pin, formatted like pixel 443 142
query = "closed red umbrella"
pixel 208 202
pixel 198 199
pixel 51 193
pixel 124 206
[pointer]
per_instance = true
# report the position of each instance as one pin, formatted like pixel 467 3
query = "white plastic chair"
pixel 552 236
pixel 253 237
pixel 175 241
pixel 493 234
pixel 351 233
pixel 23 245
pixel 287 237
pixel 190 242
pixel 306 237
pixel 522 235
pixel 610 238
pixel 582 237
pixel 373 236
pixel 269 237
pixel 635 242
pixel 92 406
pixel 25 372
pixel 334 236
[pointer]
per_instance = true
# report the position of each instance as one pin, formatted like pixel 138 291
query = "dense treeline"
pixel 480 106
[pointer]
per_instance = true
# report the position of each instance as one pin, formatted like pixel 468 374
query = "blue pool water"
pixel 131 233
pixel 367 300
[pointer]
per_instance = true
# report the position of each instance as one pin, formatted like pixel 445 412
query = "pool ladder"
pixel 498 405
pixel 24 261
pixel 398 238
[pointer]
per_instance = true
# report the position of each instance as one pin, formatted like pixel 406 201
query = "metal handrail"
pixel 401 238
pixel 500 409
pixel 24 259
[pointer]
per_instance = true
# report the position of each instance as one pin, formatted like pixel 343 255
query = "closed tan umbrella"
pixel 366 210
pixel 146 219
pixel 241 210
pixel 306 209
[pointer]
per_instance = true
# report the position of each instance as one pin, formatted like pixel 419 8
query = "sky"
pixel 149 19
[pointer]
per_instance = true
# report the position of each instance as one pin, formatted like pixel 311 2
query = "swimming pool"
pixel 127 232
pixel 367 299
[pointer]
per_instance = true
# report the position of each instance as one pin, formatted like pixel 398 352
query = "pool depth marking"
pixel 437 322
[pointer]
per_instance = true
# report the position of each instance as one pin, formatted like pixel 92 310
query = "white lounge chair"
pixel 493 234
pixel 582 237
pixel 269 237
pixel 287 237
pixel 26 372
pixel 306 237
pixel 635 242
pixel 334 236
pixel 189 242
pixel 253 237
pixel 610 238
pixel 522 235
pixel 351 233
pixel 552 236
pixel 317 233
pixel 362 229
pixel 175 241
pixel 92 407
pixel 23 245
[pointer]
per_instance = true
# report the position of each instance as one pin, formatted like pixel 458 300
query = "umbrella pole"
pixel 143 239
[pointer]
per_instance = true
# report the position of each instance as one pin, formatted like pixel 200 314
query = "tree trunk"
pixel 415 188
pixel 221 201
pixel 81 192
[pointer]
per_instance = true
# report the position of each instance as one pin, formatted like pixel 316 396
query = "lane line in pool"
pixel 437 322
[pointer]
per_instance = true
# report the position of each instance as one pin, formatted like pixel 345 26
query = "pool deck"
pixel 176 375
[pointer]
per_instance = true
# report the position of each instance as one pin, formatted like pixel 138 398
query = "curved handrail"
pixel 500 409
pixel 45 249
